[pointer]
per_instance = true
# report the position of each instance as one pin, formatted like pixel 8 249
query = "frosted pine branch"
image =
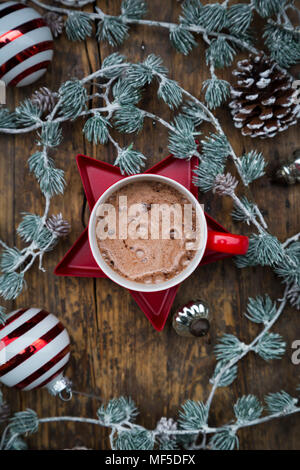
pixel 208 21
pixel 247 410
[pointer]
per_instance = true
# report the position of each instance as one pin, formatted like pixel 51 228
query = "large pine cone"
pixel 263 102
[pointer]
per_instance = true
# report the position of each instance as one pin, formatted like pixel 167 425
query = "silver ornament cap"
pixel 192 319
pixel 60 386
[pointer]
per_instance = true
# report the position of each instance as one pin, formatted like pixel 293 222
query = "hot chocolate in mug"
pixel 208 239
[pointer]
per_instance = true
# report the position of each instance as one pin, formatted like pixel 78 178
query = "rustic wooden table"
pixel 115 350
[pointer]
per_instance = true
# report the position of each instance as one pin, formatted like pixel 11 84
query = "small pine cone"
pixel 294 296
pixel 55 23
pixel 45 99
pixel 4 412
pixel 165 424
pixel 263 98
pixel 225 184
pixel 58 225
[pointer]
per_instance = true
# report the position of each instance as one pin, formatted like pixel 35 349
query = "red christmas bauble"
pixel 34 350
pixel 26 44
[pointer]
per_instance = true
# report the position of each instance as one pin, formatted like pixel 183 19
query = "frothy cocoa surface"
pixel 146 260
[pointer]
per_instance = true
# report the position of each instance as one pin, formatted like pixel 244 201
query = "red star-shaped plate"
pixel 97 177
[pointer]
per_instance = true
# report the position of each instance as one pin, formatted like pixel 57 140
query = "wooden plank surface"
pixel 115 351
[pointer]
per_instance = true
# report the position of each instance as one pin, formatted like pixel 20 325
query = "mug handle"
pixel 223 242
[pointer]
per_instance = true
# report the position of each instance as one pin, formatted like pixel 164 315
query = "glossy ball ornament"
pixel 192 319
pixel 34 350
pixel 289 173
pixel 26 44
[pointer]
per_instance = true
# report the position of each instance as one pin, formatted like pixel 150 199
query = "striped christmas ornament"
pixel 34 350
pixel 26 44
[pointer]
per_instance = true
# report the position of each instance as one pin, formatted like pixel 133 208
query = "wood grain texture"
pixel 115 351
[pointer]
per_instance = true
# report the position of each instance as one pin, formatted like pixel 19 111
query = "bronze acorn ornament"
pixel 192 319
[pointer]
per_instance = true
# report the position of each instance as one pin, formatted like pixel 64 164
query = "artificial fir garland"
pixel 118 86
pixel 225 29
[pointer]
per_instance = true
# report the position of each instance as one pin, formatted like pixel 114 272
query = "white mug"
pixel 218 241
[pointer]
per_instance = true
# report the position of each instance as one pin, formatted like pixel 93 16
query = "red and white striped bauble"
pixel 34 350
pixel 26 44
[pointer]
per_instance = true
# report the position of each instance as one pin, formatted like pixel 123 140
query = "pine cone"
pixel 45 99
pixel 263 102
pixel 165 424
pixel 58 225
pixel 294 296
pixel 55 22
pixel 225 184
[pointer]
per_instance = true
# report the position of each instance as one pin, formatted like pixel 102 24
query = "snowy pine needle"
pixel 95 129
pixel 224 440
pixel 130 161
pixel 133 9
pixel 182 141
pixel 220 53
pixel 247 409
pixel 239 212
pixel 252 166
pixel 206 174
pixel 24 422
pixel 78 26
pixel 229 347
pixel 112 61
pixel 129 119
pixel 117 410
pixel 226 376
pixel 50 135
pixel 213 17
pixel 280 402
pixel 271 346
pixel 239 18
pixel 11 285
pixel 7 119
pixel 217 91
pixel 182 39
pixel 73 97
pixel 194 415
pixel 10 259
pixel 112 30
pixel 261 309
pixel 170 92
pixel 268 7
pixel 264 249
pixel 134 440
pixel 28 113
pixel 125 93
pixel 289 271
